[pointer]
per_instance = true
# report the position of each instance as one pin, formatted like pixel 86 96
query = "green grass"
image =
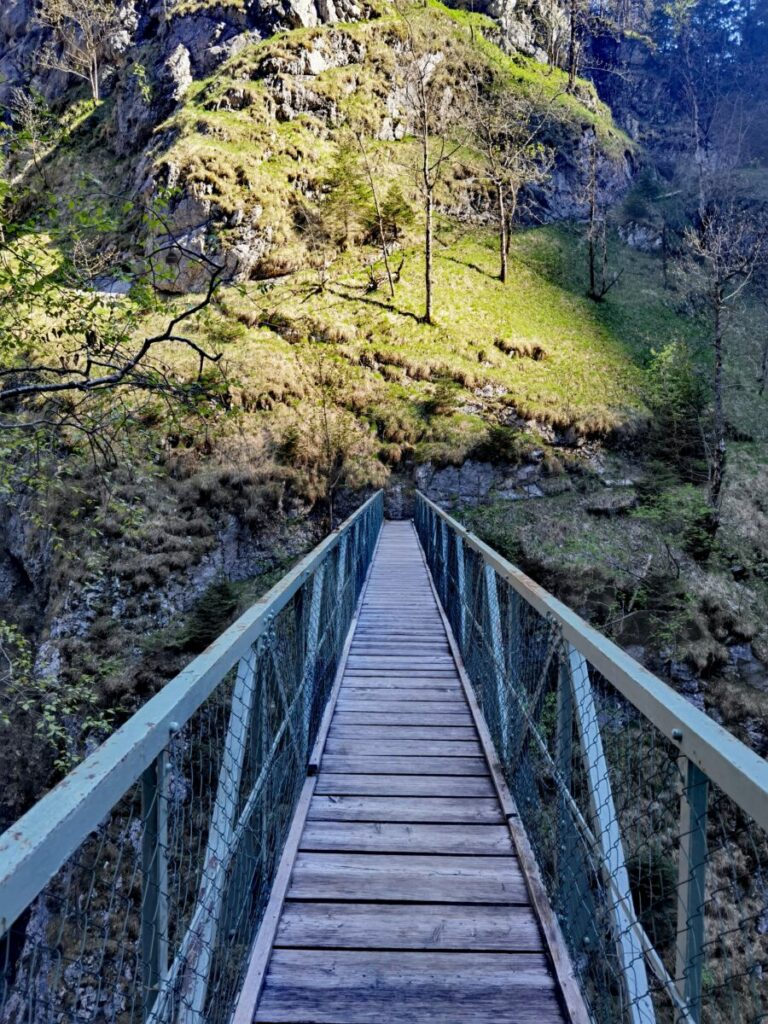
pixel 591 376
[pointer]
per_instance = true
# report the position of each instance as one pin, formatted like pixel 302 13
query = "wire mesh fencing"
pixel 657 875
pixel 152 916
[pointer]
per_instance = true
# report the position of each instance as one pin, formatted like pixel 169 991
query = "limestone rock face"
pixel 154 54
pixel 534 27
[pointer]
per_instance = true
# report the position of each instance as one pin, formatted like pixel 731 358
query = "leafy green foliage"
pixel 211 615
pixel 64 717
pixel 678 395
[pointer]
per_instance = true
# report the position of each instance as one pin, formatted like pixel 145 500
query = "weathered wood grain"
pixel 367 746
pixel 407 878
pixel 405 785
pixel 457 716
pixel 379 987
pixel 402 926
pixel 401 731
pixel 466 810
pixel 372 705
pixel 407 681
pixel 392 765
pixel 412 837
pixel 402 695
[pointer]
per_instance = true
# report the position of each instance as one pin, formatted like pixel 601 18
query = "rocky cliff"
pixel 196 93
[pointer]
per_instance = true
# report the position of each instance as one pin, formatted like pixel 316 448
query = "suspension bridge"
pixel 408 785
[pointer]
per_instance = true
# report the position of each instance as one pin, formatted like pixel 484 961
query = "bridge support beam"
pixel 313 631
pixel 606 828
pixel 462 597
pixel 154 873
pixel 493 627
pixel 691 893
pixel 197 969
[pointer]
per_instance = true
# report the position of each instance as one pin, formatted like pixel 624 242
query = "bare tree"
pixel 600 281
pixel 506 128
pixel 725 249
pixel 33 133
pixel 81 30
pixel 65 341
pixel 436 123
pixel 369 171
pixel 576 19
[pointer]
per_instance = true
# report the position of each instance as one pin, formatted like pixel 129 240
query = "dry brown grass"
pixel 521 348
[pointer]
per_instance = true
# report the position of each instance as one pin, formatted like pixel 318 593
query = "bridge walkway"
pixel 406 902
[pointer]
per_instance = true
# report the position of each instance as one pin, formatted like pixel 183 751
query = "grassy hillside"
pixel 327 384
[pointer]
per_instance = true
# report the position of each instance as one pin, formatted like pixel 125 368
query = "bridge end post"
pixel 691 887
pixel 154 872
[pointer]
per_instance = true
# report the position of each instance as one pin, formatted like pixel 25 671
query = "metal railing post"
pixel 499 661
pixel 308 674
pixel 154 873
pixel 210 897
pixel 444 562
pixel 461 583
pixel 691 892
pixel 563 757
pixel 606 828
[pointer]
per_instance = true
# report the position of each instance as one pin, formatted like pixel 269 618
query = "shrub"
pixel 678 397
pixel 210 616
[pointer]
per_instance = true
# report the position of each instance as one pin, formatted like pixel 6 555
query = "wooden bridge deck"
pixel 406 900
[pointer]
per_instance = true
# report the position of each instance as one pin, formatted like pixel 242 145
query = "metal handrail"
pixel 730 764
pixel 39 843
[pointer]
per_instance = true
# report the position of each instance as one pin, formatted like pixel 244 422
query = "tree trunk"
pixel 763 375
pixel 428 258
pixel 503 242
pixel 592 265
pixel 572 43
pixel 379 216
pixel 592 247
pixel 717 469
pixel 95 80
pixel 511 211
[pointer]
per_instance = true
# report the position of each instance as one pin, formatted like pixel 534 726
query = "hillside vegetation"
pixel 281 172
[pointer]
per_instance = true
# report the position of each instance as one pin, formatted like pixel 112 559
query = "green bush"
pixel 678 397
pixel 210 616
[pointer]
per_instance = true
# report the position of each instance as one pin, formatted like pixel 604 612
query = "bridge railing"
pixel 132 891
pixel 648 820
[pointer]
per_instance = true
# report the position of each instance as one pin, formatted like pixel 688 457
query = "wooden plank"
pixel 398 837
pixel 458 716
pixel 401 695
pixel 402 666
pixel 403 652
pixel 356 746
pixel 406 878
pixel 404 785
pixel 406 681
pixel 424 672
pixel 393 631
pixel 392 765
pixel 375 705
pixel 393 808
pixel 409 926
pixel 367 987
pixel 403 732
pixel 381 644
